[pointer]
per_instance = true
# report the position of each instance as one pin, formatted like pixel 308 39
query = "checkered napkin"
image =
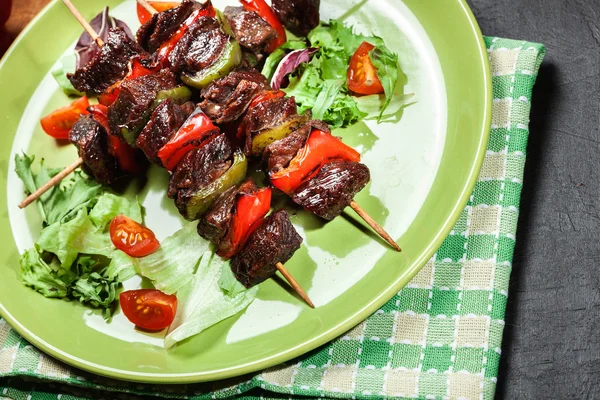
pixel 439 337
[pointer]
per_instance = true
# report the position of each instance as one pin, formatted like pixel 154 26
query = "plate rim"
pixel 315 341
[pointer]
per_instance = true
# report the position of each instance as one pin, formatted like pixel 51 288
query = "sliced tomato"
pixel 250 210
pixel 193 133
pixel 362 74
pixel 262 8
pixel 132 238
pixel 59 122
pixel 149 309
pixel 143 14
pixel 321 147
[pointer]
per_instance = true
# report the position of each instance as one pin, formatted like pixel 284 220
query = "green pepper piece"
pixel 180 94
pixel 204 198
pixel 262 139
pixel 229 59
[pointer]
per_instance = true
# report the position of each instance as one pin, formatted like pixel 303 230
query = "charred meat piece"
pixel 214 225
pixel 332 189
pixel 198 168
pixel 299 16
pixel 200 46
pixel 91 140
pixel 164 24
pixel 280 153
pixel 250 30
pixel 228 98
pixel 164 122
pixel 129 113
pixel 108 66
pixel 267 119
pixel 275 240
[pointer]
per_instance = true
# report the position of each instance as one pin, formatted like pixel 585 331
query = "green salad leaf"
pixel 321 85
pixel 172 265
pixel 66 65
pixel 74 257
pixel 202 303
pixel 228 282
pixel 276 56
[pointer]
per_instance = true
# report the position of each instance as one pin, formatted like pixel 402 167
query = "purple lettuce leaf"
pixel 86 48
pixel 289 63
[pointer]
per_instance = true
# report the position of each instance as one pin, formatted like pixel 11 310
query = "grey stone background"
pixel 551 345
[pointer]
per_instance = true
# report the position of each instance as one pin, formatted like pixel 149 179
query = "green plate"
pixel 424 166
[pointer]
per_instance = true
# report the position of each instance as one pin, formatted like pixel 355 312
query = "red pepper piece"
pixel 58 123
pixel 136 69
pixel 125 155
pixel 193 134
pixel 251 209
pixel 321 147
pixel 262 8
pixel 167 47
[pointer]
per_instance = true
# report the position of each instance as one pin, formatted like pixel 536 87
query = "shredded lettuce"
pixel 171 267
pixel 74 257
pixel 202 302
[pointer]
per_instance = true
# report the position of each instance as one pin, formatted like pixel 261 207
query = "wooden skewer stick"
pixel 51 183
pixel 294 284
pixel 147 6
pixel 373 224
pixel 88 28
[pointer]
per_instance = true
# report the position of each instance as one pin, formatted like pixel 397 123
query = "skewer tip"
pixel 294 284
pixel 376 227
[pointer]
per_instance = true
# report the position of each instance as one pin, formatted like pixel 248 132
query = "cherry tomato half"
pixel 149 308
pixel 132 238
pixel 59 122
pixel 362 74
pixel 144 16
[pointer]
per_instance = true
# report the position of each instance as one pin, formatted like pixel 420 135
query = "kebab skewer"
pixel 377 228
pixel 254 264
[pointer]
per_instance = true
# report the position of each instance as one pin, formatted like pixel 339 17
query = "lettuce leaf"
pixel 74 257
pixel 228 282
pixel 64 66
pixel 202 303
pixel 276 56
pixel 171 267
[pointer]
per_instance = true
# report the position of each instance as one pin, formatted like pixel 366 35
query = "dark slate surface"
pixel 551 343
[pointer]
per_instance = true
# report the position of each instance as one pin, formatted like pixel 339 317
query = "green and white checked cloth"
pixel 440 337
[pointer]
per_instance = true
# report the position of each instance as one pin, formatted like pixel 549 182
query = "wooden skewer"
pixel 88 28
pixel 294 284
pixel 51 183
pixel 147 6
pixel 373 224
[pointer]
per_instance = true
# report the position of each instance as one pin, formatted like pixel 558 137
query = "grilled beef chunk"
pixel 108 66
pixel 299 16
pixel 275 240
pixel 198 168
pixel 200 46
pixel 280 153
pixel 164 24
pixel 250 30
pixel 268 114
pixel 228 98
pixel 91 140
pixel 165 121
pixel 214 225
pixel 332 189
pixel 133 105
